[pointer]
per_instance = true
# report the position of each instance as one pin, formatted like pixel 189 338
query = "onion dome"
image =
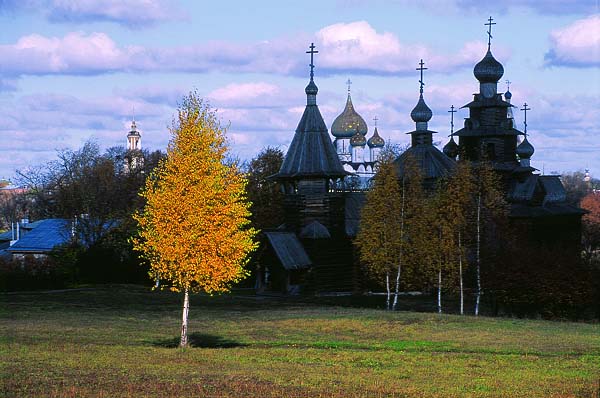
pixel 348 122
pixel 375 141
pixel 488 70
pixel 508 95
pixel 311 89
pixel 358 139
pixel 451 148
pixel 525 150
pixel 421 113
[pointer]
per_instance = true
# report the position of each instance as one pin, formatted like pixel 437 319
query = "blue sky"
pixel 74 70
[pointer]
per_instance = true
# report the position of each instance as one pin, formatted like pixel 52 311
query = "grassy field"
pixel 122 342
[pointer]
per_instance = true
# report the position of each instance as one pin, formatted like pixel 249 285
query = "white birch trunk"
pixel 184 321
pixel 460 274
pixel 397 291
pixel 389 292
pixel 439 291
pixel 478 254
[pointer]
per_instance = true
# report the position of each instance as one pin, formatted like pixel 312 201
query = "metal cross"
pixel 525 109
pixel 421 68
pixel 452 112
pixel 375 120
pixel 349 82
pixel 489 24
pixel 312 52
pixel 508 85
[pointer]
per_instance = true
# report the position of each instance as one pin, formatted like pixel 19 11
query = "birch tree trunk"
pixel 478 255
pixel 184 321
pixel 460 274
pixel 397 291
pixel 389 292
pixel 439 291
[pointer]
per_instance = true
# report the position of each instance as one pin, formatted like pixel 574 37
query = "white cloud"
pixel 129 13
pixel 576 45
pixel 355 48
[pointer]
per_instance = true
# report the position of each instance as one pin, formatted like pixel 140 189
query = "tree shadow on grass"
pixel 199 340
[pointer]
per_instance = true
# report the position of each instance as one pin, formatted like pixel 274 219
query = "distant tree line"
pixel 99 194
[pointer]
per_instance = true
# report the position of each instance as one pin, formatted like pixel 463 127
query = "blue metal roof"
pixel 44 237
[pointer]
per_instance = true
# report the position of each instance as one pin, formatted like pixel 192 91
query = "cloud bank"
pixel 576 45
pixel 355 48
pixel 129 13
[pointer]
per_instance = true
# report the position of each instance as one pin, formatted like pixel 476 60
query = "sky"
pixel 78 70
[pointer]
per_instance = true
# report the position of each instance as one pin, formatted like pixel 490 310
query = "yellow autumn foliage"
pixel 194 230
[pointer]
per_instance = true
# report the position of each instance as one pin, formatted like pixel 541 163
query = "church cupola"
pixel 433 163
pixel 134 139
pixel 345 126
pixel 451 148
pixel 508 97
pixel 421 114
pixel 311 161
pixel 133 157
pixel 349 121
pixel 375 143
pixel 489 133
pixel 488 71
pixel 525 150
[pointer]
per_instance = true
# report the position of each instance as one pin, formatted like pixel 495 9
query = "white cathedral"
pixel 357 154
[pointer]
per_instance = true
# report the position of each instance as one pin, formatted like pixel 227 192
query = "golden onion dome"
pixel 348 122
pixel 376 141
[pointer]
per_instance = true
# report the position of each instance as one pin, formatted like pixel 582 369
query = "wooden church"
pixel 313 252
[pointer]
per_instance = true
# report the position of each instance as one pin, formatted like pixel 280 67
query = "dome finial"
pixel 133 126
pixel 312 89
pixel 421 68
pixel 525 150
pixel 489 32
pixel 349 83
pixel 451 148
pixel 525 109
pixel 312 52
pixel 375 119
pixel 452 112
pixel 421 113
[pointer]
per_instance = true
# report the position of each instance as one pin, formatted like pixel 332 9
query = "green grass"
pixel 121 341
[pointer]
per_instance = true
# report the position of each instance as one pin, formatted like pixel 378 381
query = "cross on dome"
pixel 508 82
pixel 489 32
pixel 421 68
pixel 452 112
pixel 525 109
pixel 349 83
pixel 375 119
pixel 312 52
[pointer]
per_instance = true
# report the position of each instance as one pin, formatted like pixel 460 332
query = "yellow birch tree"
pixel 194 228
